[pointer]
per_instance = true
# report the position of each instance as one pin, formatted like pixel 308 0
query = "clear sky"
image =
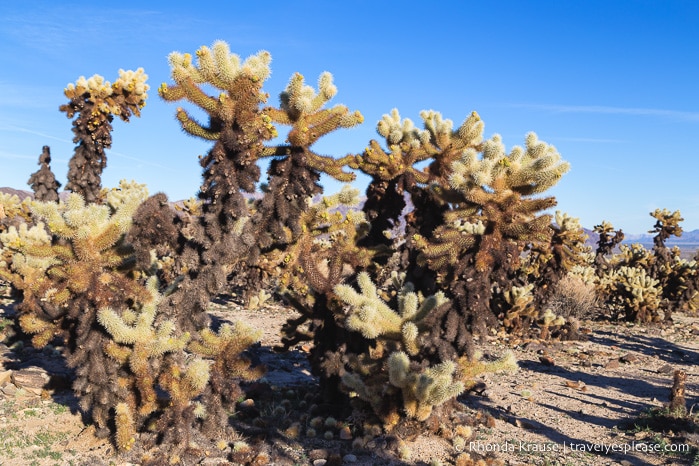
pixel 612 84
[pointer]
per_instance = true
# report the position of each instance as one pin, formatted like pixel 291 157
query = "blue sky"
pixel 613 85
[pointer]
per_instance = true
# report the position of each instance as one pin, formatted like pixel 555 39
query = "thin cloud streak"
pixel 136 159
pixel 9 155
pixel 591 140
pixel 602 109
pixel 31 131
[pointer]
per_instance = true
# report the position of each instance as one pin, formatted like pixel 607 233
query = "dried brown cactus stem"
pixel 678 402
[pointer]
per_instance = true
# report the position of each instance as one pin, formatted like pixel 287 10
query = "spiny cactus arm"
pixel 426 306
pixel 449 242
pixel 125 427
pixel 469 368
pixel 376 162
pixel 137 327
pixel 423 391
pixel 436 384
pixel 237 337
pixel 225 348
pixel 42 331
pixel 194 128
pixel 332 166
pixel 187 89
pixel 369 315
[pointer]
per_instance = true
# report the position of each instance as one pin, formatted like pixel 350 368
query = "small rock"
pixel 666 369
pixel 629 359
pixel 345 433
pixel 350 458
pixel 547 360
pixel 10 389
pixel 5 377
pixel 613 364
pixel 31 379
pixel 320 462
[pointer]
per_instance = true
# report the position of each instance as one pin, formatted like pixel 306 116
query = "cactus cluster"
pixel 391 301
pixel 644 285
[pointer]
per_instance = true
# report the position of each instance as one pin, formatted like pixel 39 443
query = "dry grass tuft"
pixel 574 297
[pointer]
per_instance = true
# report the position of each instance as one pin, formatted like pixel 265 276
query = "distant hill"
pixel 20 193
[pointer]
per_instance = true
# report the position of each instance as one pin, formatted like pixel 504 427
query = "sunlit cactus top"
pixel 239 83
pixel 126 96
pixel 529 170
pixel 409 145
pixel 667 222
pixel 218 66
pixel 302 107
pixel 567 223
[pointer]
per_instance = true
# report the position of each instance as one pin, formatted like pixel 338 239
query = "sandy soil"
pixel 569 403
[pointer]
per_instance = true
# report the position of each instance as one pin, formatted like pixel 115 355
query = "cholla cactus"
pixel 667 224
pixel 207 248
pixel 521 311
pixel 494 191
pixel 296 169
pixel 633 255
pixel 608 240
pixel 96 102
pixel 385 377
pixel 13 210
pixel 674 281
pixel 43 182
pixel 394 172
pixel 69 267
pixel 633 293
pixel 230 165
pixel 545 264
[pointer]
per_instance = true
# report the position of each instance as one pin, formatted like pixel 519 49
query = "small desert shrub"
pixel 573 297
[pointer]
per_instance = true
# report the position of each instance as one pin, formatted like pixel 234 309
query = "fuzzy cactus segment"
pixel 370 315
pixel 423 390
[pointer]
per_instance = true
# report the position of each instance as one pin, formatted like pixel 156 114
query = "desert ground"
pixel 592 402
